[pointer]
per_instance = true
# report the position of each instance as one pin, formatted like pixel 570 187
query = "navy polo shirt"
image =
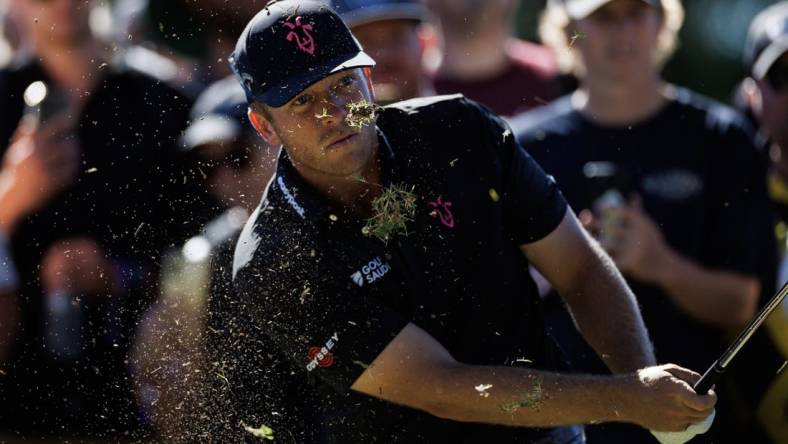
pixel 331 298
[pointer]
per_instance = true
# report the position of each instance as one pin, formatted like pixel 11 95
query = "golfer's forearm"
pixel 417 371
pixel 720 298
pixel 522 397
pixel 607 315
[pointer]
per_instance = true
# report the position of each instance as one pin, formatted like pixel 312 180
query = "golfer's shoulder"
pixel 436 113
pixel 558 119
pixel 271 241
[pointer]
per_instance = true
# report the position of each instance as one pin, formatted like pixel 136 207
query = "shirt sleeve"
pixel 533 204
pixel 329 329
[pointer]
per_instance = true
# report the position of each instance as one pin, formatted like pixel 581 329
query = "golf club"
pixel 716 370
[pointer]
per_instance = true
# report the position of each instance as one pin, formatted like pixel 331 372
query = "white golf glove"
pixel 698 428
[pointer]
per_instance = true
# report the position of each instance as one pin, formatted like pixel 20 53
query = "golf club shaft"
pixel 717 369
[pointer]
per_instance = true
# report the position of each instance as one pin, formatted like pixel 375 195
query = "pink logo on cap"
pixel 305 42
pixel 442 210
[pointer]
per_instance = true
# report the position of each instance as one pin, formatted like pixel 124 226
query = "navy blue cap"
pixel 218 114
pixel 360 12
pixel 290 45
pixel 767 40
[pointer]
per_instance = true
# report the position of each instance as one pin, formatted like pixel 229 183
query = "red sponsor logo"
pixel 321 356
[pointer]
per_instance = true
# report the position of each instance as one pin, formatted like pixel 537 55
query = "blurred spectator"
pixel 182 385
pixel 196 34
pixel 6 36
pixel 388 30
pixel 481 59
pixel 767 90
pixel 669 182
pixel 37 166
pixel 93 191
pixel 765 97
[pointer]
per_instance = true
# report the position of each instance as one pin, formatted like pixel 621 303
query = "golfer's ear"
pixel 263 127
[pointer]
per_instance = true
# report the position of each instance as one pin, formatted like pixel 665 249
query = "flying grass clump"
pixel 576 35
pixel 529 399
pixel 361 114
pixel 392 210
pixel 262 432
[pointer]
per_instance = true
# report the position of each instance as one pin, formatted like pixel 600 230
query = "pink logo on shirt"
pixel 305 42
pixel 442 210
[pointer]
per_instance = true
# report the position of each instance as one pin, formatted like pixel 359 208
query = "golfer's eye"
pixel 346 81
pixel 302 100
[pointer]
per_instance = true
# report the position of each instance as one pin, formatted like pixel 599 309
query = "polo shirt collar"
pixel 304 200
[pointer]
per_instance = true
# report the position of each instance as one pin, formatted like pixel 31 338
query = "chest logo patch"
pixel 370 272
pixel 321 356
pixel 442 210
pixel 675 185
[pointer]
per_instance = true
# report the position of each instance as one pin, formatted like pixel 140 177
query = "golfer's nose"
pixel 335 110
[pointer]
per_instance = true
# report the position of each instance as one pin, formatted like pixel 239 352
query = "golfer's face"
pixel 313 127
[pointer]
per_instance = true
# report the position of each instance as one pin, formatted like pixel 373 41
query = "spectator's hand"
pixel 77 266
pixel 40 162
pixel 634 242
pixel 663 399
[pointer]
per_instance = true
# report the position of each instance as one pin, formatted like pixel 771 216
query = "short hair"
pixel 554 24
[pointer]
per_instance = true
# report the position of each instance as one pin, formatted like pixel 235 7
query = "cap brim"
pixel 579 10
pixel 208 129
pixel 379 13
pixel 278 95
pixel 768 56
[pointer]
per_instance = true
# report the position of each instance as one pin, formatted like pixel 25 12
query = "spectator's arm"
pixel 39 163
pixel 725 299
pixel 599 299
pixel 722 298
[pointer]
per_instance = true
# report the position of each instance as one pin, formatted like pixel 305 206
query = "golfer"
pixel 388 258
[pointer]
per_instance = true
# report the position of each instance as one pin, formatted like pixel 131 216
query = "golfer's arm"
pixel 599 299
pixel 416 371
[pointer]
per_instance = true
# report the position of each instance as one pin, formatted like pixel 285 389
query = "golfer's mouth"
pixel 341 142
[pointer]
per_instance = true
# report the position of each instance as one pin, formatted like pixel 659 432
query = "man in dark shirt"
pixel 87 252
pixel 388 261
pixel 671 182
pixel 766 89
